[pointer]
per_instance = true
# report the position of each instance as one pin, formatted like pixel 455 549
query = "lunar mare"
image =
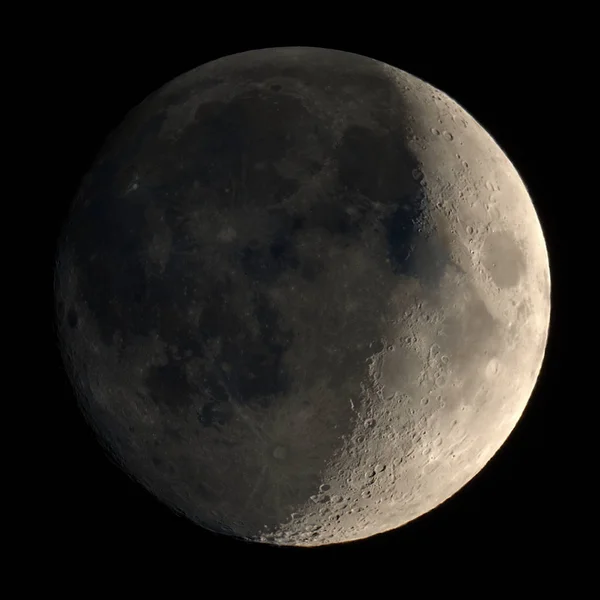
pixel 302 295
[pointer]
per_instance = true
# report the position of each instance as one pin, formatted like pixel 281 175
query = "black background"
pixel 97 515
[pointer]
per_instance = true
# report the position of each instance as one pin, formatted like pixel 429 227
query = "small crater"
pixel 418 175
pixel 280 452
pixel 227 234
pixel 493 367
pixel 318 499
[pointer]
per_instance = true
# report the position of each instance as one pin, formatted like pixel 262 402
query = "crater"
pixel 492 368
pixel 280 452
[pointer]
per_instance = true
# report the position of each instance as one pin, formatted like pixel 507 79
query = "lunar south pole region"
pixel 302 296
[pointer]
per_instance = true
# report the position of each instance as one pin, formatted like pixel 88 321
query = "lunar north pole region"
pixel 302 295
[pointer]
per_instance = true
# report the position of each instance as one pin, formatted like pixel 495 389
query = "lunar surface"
pixel 302 295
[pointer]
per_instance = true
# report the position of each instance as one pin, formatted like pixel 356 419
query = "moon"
pixel 303 296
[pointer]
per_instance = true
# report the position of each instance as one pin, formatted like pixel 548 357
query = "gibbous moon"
pixel 302 295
